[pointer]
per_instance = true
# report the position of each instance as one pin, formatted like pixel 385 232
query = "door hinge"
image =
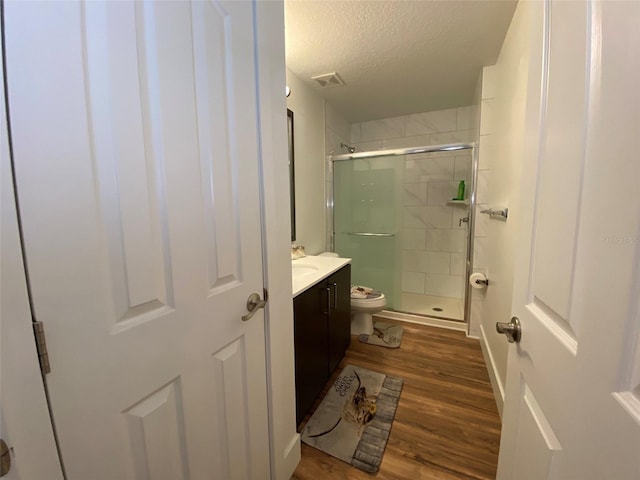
pixel 41 346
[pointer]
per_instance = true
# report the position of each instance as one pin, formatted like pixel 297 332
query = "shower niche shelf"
pixel 458 202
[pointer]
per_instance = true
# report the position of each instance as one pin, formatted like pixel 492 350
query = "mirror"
pixel 292 186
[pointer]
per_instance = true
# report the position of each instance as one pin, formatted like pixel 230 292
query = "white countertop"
pixel 322 268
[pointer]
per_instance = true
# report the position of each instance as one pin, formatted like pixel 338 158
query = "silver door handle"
pixel 512 330
pixel 335 295
pixel 254 303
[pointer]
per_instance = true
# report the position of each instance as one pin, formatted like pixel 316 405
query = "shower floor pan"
pixel 441 307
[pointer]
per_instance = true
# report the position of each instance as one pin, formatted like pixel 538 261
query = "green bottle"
pixel 460 191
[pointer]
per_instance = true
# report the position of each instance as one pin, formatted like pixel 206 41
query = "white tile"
pixel 382 129
pixel 366 146
pixel 406 142
pixel 451 137
pixel 413 282
pixel 414 193
pixel 457 221
pixel 474 119
pixel 463 118
pixel 431 122
pixel 483 187
pixel 439 193
pixel 332 141
pixel 426 262
pixel 489 76
pixel 427 217
pixel 428 169
pixel 462 170
pixel 445 240
pixel 444 286
pixel 457 264
pixel 487 117
pixel 414 238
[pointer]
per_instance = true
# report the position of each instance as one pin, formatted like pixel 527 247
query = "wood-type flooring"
pixel 447 425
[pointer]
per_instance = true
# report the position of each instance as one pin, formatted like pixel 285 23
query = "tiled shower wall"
pixel 433 240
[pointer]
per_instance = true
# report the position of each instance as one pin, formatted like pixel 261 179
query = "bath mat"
pixel 351 424
pixel 384 334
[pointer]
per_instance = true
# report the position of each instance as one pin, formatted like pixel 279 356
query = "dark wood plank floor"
pixel 447 425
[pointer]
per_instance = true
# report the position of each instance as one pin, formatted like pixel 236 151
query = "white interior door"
pixel 25 424
pixel 134 133
pixel 572 408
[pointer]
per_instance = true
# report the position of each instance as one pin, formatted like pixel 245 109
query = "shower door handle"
pixel 463 220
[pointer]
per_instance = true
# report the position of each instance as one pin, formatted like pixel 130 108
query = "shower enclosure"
pixel 397 215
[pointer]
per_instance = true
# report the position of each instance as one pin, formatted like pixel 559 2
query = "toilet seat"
pixel 367 303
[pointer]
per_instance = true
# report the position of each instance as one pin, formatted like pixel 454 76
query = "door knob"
pixel 512 329
pixel 254 303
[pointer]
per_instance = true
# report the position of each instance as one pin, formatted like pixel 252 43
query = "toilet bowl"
pixel 362 311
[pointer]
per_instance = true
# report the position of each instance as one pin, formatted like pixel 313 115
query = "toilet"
pixel 363 307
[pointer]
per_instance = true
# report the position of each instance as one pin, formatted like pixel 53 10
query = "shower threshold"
pixel 431 306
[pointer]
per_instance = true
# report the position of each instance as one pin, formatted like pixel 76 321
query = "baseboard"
pixel 291 458
pixel 432 322
pixel 496 384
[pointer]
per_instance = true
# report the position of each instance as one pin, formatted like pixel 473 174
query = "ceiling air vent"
pixel 328 80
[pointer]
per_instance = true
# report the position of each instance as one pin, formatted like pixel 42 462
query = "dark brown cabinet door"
pixel 311 349
pixel 340 316
pixel 322 329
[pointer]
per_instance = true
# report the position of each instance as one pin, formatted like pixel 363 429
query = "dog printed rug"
pixel 354 419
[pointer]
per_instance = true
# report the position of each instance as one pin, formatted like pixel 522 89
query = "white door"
pixel 135 139
pixel 25 424
pixel 572 408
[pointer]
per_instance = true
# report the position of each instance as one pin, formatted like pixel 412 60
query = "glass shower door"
pixel 367 213
pixel 399 221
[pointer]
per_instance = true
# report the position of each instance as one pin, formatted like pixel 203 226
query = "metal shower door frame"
pixel 401 152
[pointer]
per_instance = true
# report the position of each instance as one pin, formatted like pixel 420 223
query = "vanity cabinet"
pixel 322 329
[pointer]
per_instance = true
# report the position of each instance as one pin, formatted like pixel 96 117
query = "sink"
pixel 302 270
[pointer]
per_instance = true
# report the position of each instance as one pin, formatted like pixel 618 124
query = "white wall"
pixel 309 145
pixel 503 107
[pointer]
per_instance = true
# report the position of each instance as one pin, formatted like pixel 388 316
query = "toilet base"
pixel 361 323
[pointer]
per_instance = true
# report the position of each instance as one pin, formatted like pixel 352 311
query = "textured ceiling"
pixel 395 57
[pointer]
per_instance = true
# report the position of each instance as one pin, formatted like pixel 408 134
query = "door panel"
pixel 561 165
pixel 143 245
pixel 128 169
pixel 567 412
pixel 156 430
pixel 536 440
